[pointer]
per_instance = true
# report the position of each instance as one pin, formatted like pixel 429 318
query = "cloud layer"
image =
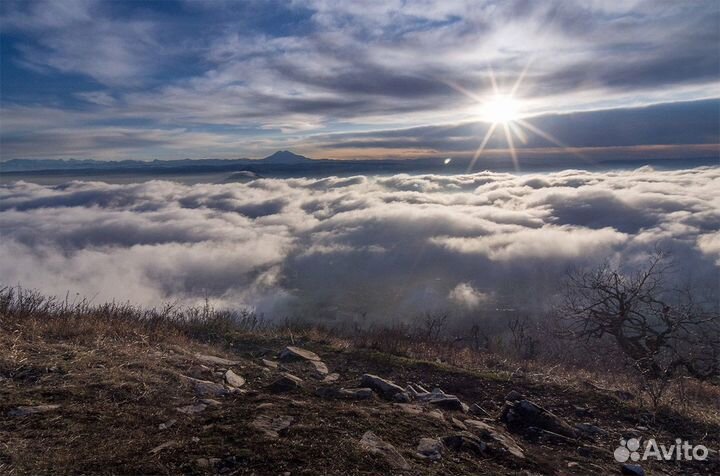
pixel 191 78
pixel 342 248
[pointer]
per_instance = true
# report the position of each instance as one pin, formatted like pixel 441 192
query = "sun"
pixel 500 109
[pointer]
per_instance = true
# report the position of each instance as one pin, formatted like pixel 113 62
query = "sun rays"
pixel 505 109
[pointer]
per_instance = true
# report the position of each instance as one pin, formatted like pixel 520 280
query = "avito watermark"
pixel 680 451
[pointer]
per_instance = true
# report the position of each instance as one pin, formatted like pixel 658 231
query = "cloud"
pixel 342 248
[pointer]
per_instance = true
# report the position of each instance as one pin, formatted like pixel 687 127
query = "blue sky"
pixel 174 79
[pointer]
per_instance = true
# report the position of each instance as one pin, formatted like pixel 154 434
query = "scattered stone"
pixel 583 412
pixel 386 388
pixel 195 439
pixel 479 411
pixel 589 430
pixel 522 414
pixel 430 448
pixel 402 397
pixel 202 462
pixel 371 443
pixel 437 414
pixel 320 370
pixel 513 396
pixel 331 378
pixel 345 393
pixel 167 424
pixel 449 403
pixel 211 402
pixel 290 353
pixel 192 409
pixel 465 441
pixel 632 470
pixel 458 424
pixel 22 411
pixel 164 446
pixel 233 379
pixel 286 383
pixel 212 360
pixel 271 364
pixel 205 388
pixel 272 427
pixel 497 440
pixel 265 405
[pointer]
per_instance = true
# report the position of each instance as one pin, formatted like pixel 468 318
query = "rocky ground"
pixel 261 405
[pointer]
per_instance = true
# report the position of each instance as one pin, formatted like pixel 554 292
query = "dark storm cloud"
pixel 341 248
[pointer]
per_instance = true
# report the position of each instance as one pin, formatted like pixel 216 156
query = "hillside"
pixel 105 393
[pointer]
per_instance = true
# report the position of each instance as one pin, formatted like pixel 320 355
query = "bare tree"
pixel 524 340
pixel 663 331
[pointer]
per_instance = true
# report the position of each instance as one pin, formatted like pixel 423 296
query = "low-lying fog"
pixel 343 248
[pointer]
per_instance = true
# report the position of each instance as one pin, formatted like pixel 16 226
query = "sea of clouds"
pixel 364 247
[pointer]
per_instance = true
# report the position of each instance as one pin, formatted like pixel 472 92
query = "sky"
pixel 378 79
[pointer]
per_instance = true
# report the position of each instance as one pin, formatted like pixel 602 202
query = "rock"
pixel 320 370
pixel 290 353
pixel 331 378
pixel 479 411
pixel 402 397
pixel 584 451
pixel 373 444
pixel 513 396
pixel 202 462
pixel 497 440
pixel 582 412
pixel 271 364
pixel 437 414
pixel 345 393
pixel 192 409
pixel 272 427
pixel 589 430
pixel 212 360
pixel 210 402
pixel 632 470
pixel 22 411
pixel 265 405
pixel 429 448
pixel 458 424
pixel 233 379
pixel 205 388
pixel 386 388
pixel 164 446
pixel 449 403
pixel 522 414
pixel 167 424
pixel 465 441
pixel 286 383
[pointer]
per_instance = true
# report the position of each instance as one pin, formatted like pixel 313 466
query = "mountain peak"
pixel 285 157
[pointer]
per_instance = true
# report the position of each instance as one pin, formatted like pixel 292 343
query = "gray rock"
pixel 402 397
pixel 233 379
pixel 371 443
pixel 205 388
pixel 213 360
pixel 458 424
pixel 330 378
pixel 386 388
pixel 513 396
pixel 465 441
pixel 449 403
pixel 429 448
pixel 167 424
pixel 497 440
pixel 523 414
pixel 589 430
pixel 271 364
pixel 22 411
pixel 192 409
pixel 272 427
pixel 285 383
pixel 632 470
pixel 290 353
pixel 320 370
pixel 345 393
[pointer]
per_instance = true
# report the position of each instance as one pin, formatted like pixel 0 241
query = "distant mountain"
pixel 285 157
